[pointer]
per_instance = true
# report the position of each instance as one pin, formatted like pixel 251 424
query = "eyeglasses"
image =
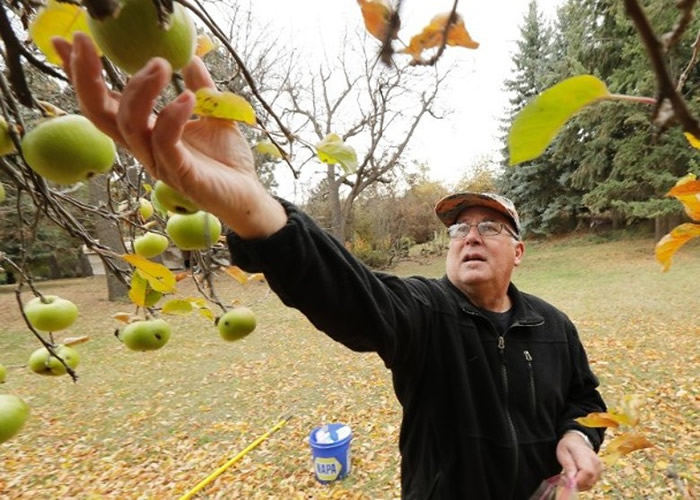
pixel 485 228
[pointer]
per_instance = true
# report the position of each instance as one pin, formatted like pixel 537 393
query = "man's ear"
pixel 519 252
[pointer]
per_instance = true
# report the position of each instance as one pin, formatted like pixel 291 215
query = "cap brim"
pixel 450 207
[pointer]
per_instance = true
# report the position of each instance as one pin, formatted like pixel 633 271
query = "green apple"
pixel 42 362
pixel 68 149
pixel 3 374
pixel 2 193
pixel 145 209
pixel 13 414
pixel 146 335
pixel 150 244
pixel 134 36
pixel 52 314
pixel 158 206
pixel 236 323
pixel 172 200
pixel 6 145
pixel 189 232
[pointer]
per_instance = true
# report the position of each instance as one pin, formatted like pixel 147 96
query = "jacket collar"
pixel 524 314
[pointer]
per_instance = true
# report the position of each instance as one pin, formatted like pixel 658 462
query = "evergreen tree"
pixel 611 148
pixel 539 188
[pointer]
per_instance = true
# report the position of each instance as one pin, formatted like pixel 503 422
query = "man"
pixel 490 379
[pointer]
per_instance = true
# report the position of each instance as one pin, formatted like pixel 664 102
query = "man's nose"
pixel 473 235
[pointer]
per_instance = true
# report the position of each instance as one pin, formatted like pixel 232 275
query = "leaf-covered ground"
pixel 152 425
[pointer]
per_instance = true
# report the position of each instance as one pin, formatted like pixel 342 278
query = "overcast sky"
pixel 475 93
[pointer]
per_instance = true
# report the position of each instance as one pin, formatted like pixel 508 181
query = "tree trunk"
pixel 54 269
pixel 85 267
pixel 335 209
pixel 664 224
pixel 108 235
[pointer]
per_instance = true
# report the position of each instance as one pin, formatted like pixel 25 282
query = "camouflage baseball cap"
pixel 449 208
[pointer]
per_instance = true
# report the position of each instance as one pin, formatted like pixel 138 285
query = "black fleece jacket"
pixel 482 412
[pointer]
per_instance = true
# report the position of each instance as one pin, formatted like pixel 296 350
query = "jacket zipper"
pixel 514 435
pixel 533 396
pixel 504 378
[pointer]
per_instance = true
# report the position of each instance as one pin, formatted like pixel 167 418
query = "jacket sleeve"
pixel 583 396
pixel 311 271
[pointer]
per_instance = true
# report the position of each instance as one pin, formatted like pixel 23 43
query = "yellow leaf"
pixel 432 36
pixel 159 277
pixel 207 313
pixel 57 19
pixel 50 109
pixel 669 244
pixel 147 187
pixel 237 273
pixel 204 45
pixel 623 445
pixel 256 277
pixel 630 406
pixel 75 340
pixel 197 301
pixel 377 17
pixel 267 147
pixel 694 141
pixel 123 317
pixel 225 105
pixel 177 306
pixel 687 191
pixel 661 465
pixel 137 292
pixel 605 419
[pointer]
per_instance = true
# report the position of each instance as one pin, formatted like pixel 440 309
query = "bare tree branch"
pixel 670 105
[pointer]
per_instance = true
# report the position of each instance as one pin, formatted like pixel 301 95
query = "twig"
pixel 671 473
pixel 12 58
pixel 246 74
pixel 448 25
pixel 686 8
pixel 386 51
pixel 691 64
pixel 666 88
pixel 18 295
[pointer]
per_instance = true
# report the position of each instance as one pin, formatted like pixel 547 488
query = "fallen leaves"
pixel 132 426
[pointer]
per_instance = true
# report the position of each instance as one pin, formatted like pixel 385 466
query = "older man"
pixel 490 379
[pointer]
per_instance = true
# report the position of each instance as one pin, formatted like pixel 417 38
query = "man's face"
pixel 476 260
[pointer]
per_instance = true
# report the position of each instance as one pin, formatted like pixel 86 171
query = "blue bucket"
pixel 331 460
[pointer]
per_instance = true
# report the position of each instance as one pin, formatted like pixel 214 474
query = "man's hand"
pixel 207 159
pixel 579 461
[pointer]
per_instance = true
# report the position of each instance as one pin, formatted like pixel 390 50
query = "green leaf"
pixel 333 150
pixel 225 105
pixel 267 147
pixel 177 306
pixel 158 276
pixel 538 123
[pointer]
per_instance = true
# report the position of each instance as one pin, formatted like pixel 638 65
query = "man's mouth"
pixel 473 258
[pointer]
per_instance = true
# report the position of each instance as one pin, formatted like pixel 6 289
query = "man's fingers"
pixel 567 462
pixel 168 150
pixel 197 76
pixel 96 101
pixel 63 48
pixel 134 116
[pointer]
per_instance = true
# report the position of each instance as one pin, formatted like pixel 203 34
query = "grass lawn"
pixel 152 425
